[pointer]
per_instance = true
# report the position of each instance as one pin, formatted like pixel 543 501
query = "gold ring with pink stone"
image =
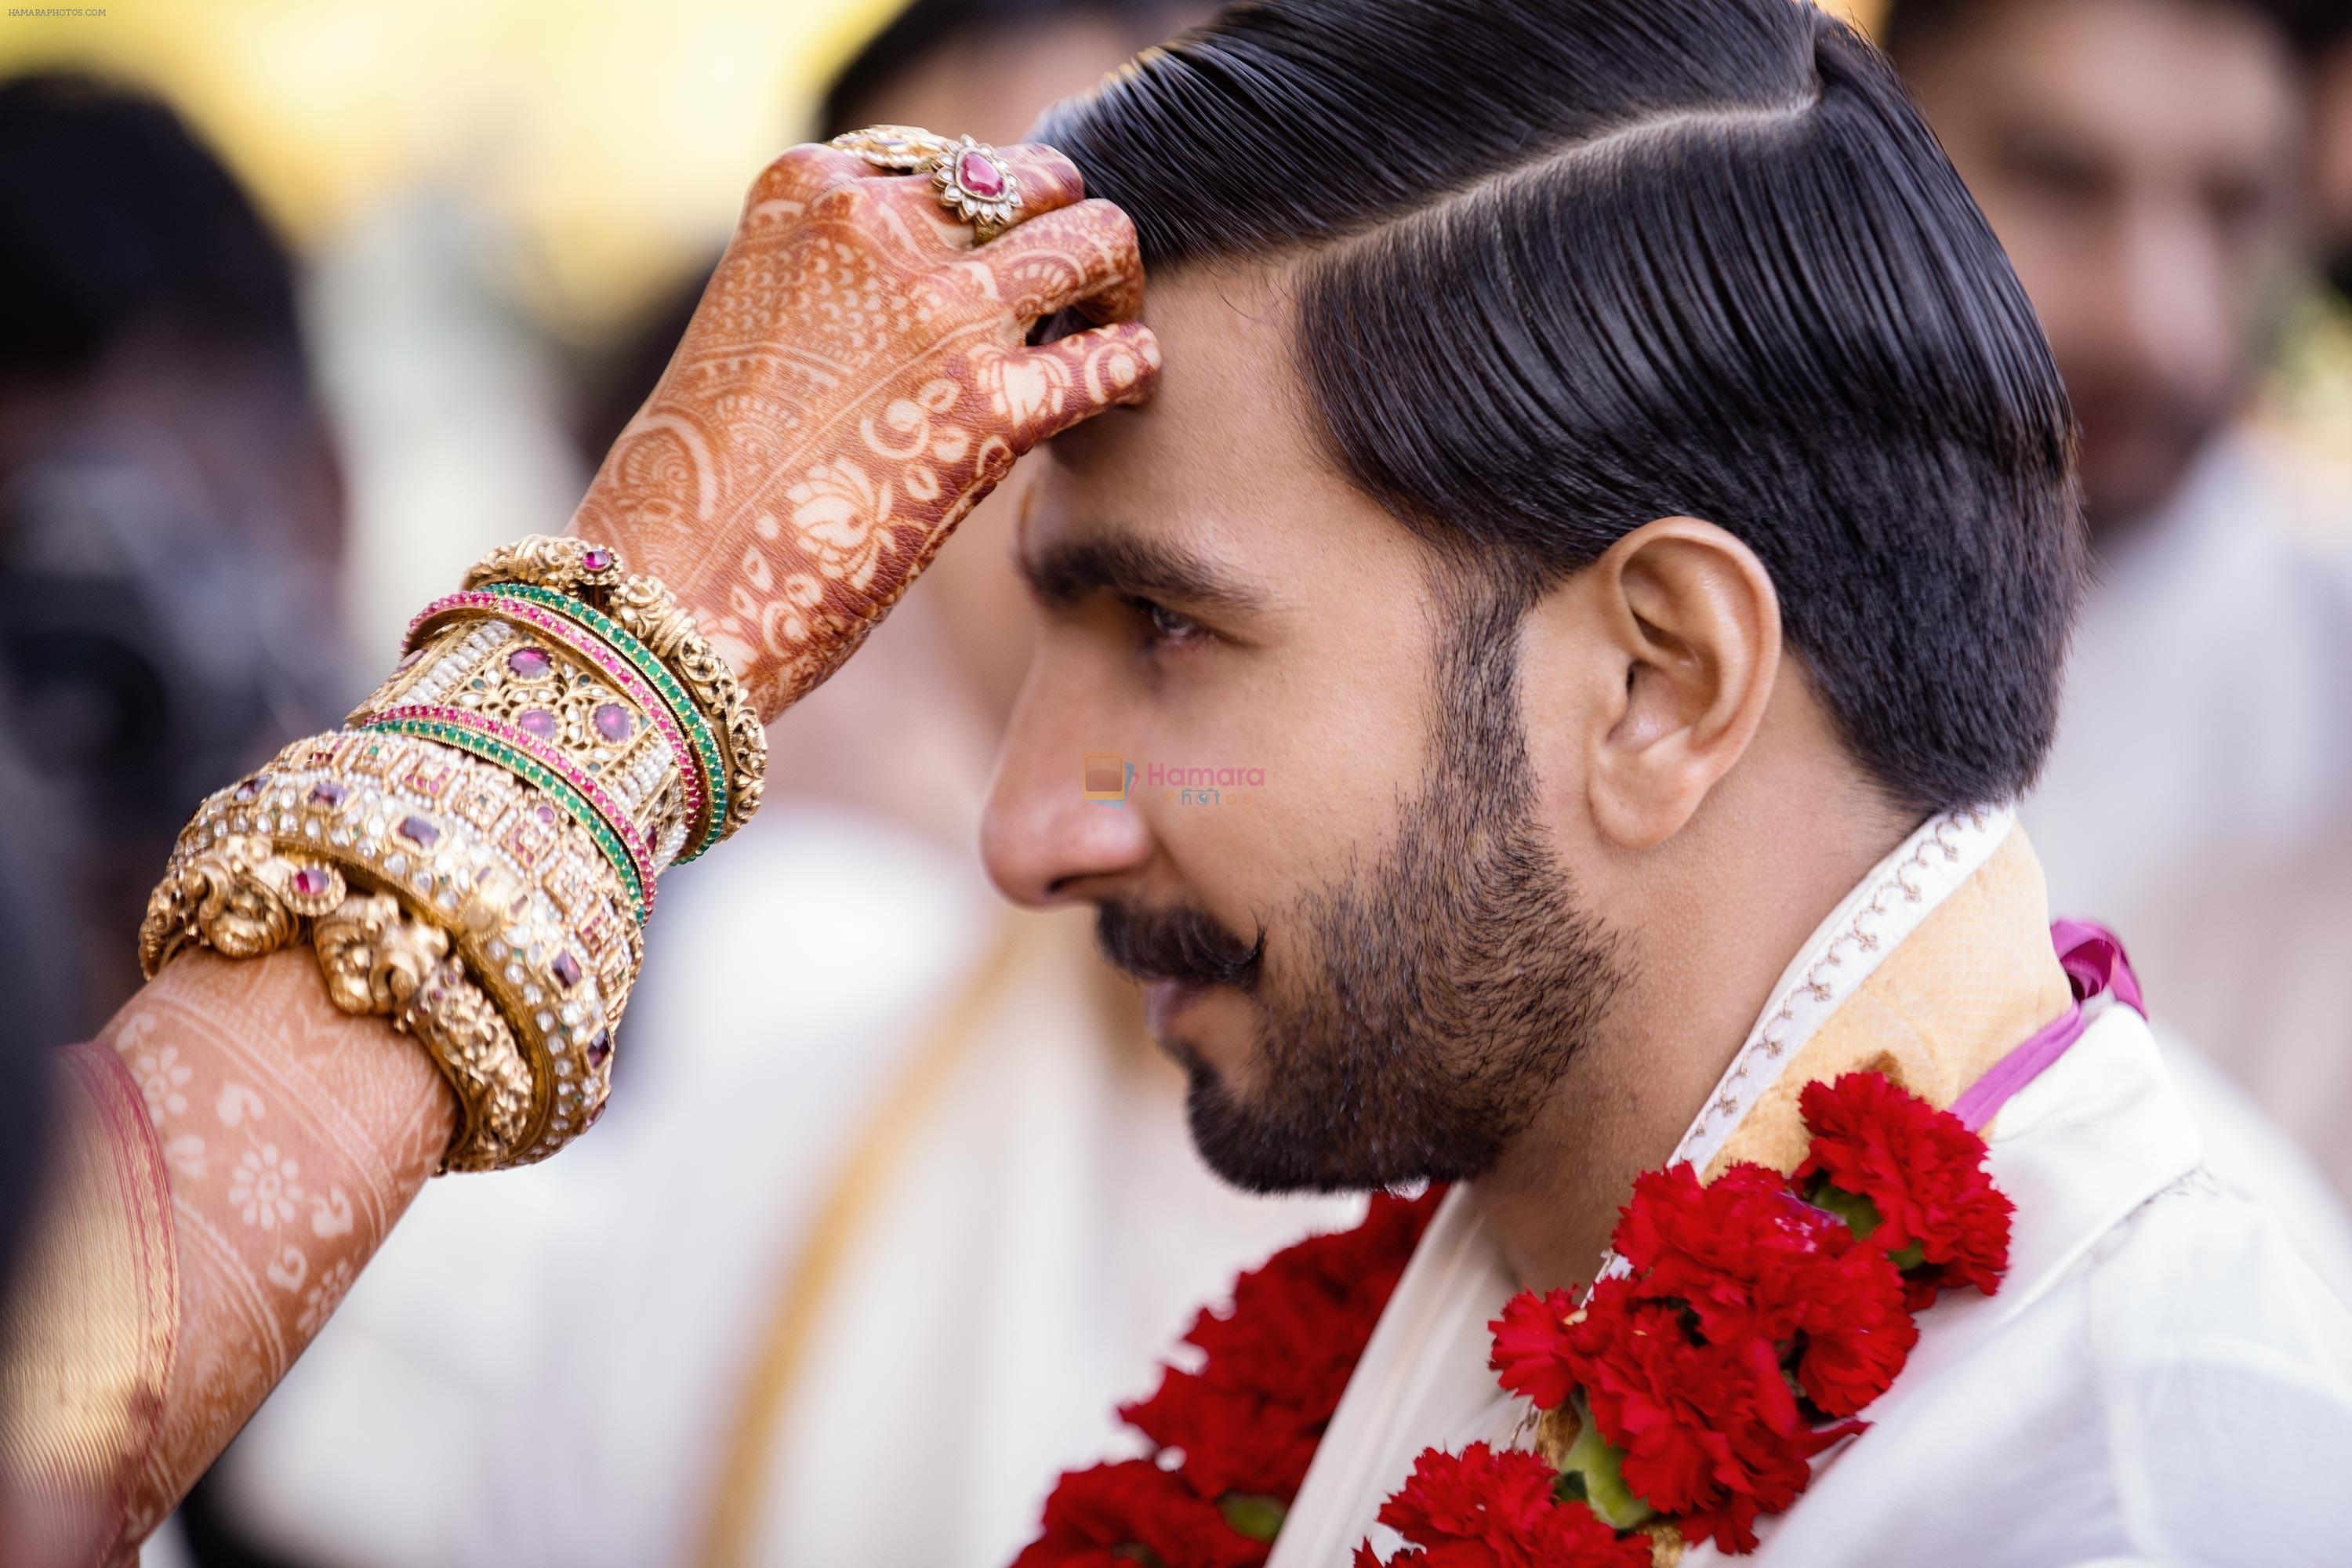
pixel 975 183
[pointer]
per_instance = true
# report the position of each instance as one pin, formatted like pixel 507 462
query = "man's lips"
pixel 1164 1000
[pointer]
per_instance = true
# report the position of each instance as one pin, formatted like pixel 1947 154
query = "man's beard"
pixel 1454 981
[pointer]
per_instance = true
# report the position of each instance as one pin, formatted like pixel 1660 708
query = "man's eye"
pixel 1166 628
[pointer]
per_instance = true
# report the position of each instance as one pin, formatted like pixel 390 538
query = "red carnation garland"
pixel 1232 1440
pixel 1758 1315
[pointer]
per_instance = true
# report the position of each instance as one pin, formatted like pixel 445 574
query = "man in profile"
pixel 1627 473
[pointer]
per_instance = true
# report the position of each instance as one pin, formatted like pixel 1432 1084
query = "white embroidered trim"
pixel 1888 906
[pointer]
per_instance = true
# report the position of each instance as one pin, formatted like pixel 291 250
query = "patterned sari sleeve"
pixel 230 1155
pixel 92 1326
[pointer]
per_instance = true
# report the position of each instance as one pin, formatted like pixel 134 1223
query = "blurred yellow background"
pixel 613 136
pixel 612 139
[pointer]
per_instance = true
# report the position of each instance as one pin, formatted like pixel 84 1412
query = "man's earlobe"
pixel 1693 615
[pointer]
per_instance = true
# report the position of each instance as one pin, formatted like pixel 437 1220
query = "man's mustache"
pixel 1177 944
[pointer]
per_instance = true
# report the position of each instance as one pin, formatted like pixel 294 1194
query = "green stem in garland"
pixel 1257 1517
pixel 1592 1467
pixel 1861 1217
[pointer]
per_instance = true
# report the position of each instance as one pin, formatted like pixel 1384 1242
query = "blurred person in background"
pixel 171 521
pixel 170 507
pixel 2333 174
pixel 2144 165
pixel 987 1109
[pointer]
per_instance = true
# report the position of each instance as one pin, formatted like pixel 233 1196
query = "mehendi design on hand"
pixel 856 378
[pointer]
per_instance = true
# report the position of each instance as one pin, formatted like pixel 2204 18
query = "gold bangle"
pixel 376 960
pixel 535 912
pixel 475 859
pixel 600 740
pixel 243 898
pixel 644 607
pixel 648 611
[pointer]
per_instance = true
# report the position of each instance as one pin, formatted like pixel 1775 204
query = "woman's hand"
pixel 855 379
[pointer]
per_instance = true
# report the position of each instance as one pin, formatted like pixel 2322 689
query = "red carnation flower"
pixel 1855 1329
pixel 1100 1517
pixel 1738 1249
pixel 1530 1354
pixel 1485 1509
pixel 1922 1170
pixel 1710 1432
pixel 1781 1472
pixel 1276 1362
pixel 1231 1439
pixel 1753 1261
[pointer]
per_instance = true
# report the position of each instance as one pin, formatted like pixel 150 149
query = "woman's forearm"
pixel 293 1136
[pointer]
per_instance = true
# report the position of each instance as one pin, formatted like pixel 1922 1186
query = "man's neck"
pixel 1552 1200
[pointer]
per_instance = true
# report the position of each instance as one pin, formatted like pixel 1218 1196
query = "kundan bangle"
pixel 563 686
pixel 241 896
pixel 538 662
pixel 592 574
pixel 475 857
pixel 589 633
pixel 534 910
pixel 537 762
pixel 649 610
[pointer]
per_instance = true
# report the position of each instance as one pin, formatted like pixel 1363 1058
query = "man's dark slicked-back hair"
pixel 1568 266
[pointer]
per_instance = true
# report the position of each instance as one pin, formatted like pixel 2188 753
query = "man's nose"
pixel 1060 821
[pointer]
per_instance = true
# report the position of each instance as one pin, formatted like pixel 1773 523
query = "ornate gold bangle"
pixel 536 699
pixel 244 897
pixel 473 859
pixel 532 908
pixel 646 610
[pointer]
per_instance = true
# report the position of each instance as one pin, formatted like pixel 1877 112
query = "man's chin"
pixel 1269 1155
pixel 1246 1153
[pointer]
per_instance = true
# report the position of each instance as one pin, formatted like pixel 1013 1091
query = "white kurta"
pixel 2161 1378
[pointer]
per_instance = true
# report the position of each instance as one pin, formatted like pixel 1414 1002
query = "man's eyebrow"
pixel 1063 574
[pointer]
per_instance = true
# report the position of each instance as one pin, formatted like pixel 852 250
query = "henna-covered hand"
pixel 856 378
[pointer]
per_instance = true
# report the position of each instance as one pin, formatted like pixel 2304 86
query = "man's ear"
pixel 1687 623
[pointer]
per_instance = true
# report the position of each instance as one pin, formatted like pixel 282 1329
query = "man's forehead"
pixel 1225 443
pixel 1228 372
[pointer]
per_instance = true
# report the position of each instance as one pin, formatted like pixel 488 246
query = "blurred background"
pixel 305 303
